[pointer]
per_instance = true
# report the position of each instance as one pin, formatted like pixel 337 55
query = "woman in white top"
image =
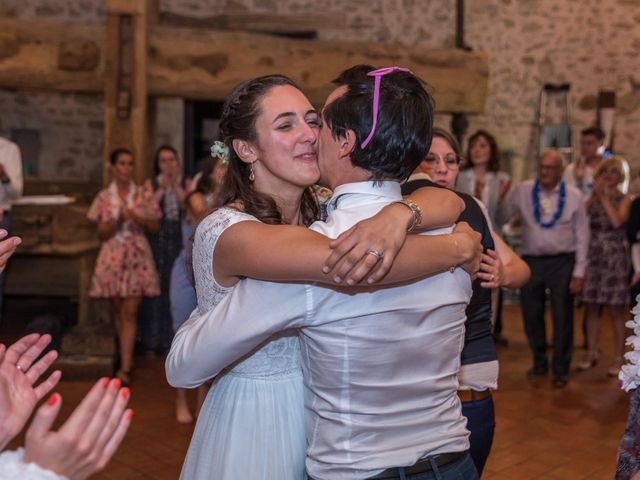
pixel 481 177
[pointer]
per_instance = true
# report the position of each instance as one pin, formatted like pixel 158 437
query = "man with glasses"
pixel 555 238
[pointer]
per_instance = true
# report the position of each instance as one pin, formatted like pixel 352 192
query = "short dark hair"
pixel 156 158
pixel 113 156
pixel 238 121
pixel 404 125
pixel 449 138
pixel 595 131
pixel 494 151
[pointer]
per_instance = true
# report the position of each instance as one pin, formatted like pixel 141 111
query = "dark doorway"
pixel 202 119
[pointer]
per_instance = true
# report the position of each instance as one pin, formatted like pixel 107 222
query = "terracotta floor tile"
pixel 541 432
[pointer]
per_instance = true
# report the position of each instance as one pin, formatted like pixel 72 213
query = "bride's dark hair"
pixel 238 120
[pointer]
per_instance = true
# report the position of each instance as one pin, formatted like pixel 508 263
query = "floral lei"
pixel 629 375
pixel 537 213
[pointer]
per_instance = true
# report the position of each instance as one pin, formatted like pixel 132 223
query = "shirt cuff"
pixel 579 270
pixel 12 466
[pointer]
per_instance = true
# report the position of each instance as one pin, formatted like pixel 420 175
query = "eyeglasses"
pixel 451 160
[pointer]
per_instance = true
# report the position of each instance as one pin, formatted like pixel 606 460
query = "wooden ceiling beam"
pixel 205 64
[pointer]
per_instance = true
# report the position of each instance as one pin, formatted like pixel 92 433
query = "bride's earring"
pixel 252 175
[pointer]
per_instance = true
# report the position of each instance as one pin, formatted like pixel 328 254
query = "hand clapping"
pixel 88 439
pixel 18 375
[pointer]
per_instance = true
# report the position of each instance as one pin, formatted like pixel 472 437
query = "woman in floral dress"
pixel 156 331
pixel 606 280
pixel 124 270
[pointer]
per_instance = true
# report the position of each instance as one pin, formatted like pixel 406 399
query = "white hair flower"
pixel 220 151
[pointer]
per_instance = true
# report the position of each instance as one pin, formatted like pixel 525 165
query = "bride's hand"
pixel 369 247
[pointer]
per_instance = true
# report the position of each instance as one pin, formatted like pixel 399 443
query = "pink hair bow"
pixel 378 74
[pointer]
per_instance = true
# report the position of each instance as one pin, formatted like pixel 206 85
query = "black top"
pixel 478 338
pixel 633 223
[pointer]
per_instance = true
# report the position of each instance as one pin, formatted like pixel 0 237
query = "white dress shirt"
pixel 11 160
pixel 380 367
pixel 466 183
pixel 585 185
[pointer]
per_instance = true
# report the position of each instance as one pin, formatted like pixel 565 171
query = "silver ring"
pixel 376 254
pixel 19 368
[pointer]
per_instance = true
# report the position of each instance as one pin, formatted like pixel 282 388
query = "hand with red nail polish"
pixel 85 443
pixel 19 372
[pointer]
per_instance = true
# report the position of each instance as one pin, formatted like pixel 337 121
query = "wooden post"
pixel 125 112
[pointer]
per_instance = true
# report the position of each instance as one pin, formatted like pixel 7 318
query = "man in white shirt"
pixel 380 367
pixel 579 173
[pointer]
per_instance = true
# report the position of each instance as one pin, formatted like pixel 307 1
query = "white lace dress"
pixel 251 425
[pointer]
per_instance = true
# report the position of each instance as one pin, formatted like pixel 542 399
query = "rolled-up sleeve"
pixel 252 312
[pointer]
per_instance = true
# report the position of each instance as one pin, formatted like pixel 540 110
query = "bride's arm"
pixel 290 253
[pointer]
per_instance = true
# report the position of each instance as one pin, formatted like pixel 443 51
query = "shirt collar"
pixel 386 189
pixel 556 189
pixel 419 176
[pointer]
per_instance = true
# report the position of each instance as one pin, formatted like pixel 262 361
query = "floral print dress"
pixel 606 281
pixel 125 266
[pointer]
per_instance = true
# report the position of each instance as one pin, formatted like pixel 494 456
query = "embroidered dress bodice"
pixel 280 355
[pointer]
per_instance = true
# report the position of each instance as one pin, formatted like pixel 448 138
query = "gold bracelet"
pixel 415 211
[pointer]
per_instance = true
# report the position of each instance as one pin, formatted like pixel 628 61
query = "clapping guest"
pixel 606 282
pixel 481 176
pixel 580 173
pixel 84 443
pixel 124 271
pixel 169 191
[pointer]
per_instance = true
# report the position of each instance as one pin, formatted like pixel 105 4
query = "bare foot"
pixel 183 415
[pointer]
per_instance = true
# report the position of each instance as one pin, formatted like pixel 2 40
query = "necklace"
pixel 537 214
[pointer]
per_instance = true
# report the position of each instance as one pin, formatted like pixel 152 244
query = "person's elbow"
pixel 180 369
pixel 178 374
pixel 454 205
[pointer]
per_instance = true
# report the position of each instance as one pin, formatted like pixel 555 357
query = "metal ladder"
pixel 554 121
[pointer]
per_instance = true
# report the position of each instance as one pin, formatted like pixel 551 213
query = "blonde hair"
pixel 619 166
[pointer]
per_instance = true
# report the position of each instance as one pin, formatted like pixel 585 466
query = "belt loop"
pixel 474 396
pixel 434 467
pixel 401 473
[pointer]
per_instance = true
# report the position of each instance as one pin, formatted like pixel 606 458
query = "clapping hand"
pixel 19 371
pixel 7 247
pixel 88 439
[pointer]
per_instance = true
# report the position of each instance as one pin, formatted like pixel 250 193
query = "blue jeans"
pixel 481 422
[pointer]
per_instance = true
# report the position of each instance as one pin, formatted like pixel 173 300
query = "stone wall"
pixel 593 44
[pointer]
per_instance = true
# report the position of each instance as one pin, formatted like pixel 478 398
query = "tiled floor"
pixel 542 433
